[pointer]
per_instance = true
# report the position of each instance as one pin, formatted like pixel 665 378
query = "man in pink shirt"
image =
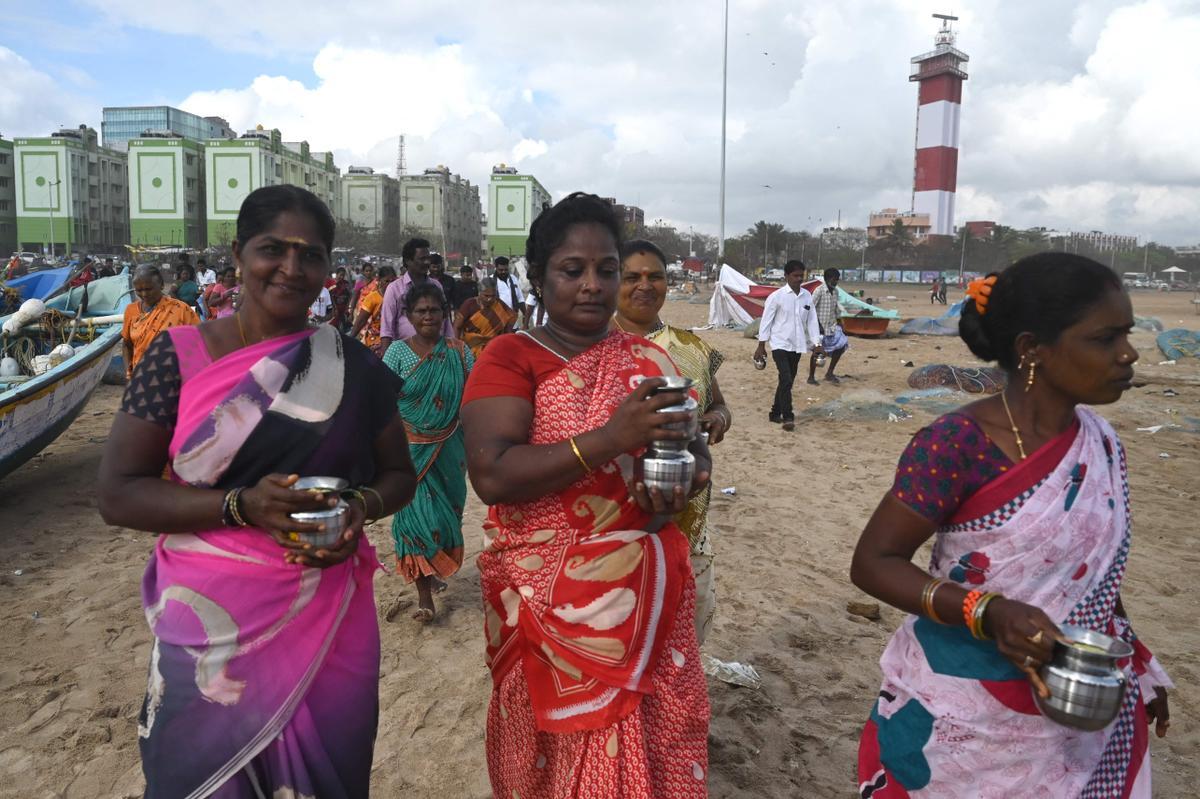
pixel 393 320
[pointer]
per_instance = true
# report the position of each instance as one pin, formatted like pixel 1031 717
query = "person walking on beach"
pixel 393 322
pixel 427 533
pixel 153 313
pixel 833 337
pixel 597 685
pixel 264 670
pixel 789 325
pixel 508 287
pixel 639 301
pixel 465 287
pixel 482 318
pixel 1027 496
pixel 366 320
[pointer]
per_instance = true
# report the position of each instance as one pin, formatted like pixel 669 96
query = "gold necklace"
pixel 1015 430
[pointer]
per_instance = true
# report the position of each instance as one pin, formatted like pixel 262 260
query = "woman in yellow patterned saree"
pixel 643 291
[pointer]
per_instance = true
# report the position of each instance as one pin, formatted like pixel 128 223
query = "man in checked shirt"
pixel 833 338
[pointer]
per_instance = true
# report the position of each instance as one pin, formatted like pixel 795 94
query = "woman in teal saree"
pixel 428 532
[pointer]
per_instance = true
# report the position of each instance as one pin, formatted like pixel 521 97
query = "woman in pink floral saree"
pixel 1027 494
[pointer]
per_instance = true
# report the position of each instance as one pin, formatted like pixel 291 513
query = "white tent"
pixel 1173 270
pixel 731 294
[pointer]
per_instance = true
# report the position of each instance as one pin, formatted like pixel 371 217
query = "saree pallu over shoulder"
pixel 574 588
pixel 241 638
pixel 956 718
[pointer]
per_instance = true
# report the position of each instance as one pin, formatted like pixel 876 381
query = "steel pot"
pixel 665 470
pixel 334 520
pixel 1086 685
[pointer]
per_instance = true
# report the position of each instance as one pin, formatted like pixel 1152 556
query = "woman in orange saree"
pixel 588 591
pixel 482 318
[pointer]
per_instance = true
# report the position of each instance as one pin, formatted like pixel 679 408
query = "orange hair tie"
pixel 981 290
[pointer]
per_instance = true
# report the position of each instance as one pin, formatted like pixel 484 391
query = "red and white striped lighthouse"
pixel 939 75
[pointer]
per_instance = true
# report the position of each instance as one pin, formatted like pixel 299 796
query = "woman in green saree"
pixel 428 532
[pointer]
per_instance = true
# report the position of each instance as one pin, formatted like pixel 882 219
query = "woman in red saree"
pixel 1027 495
pixel 588 591
pixel 264 675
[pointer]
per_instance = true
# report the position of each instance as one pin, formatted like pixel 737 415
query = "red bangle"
pixel 969 603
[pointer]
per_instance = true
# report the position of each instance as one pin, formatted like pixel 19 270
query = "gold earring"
pixel 1029 382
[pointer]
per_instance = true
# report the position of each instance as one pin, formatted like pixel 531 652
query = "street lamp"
pixel 724 93
pixel 50 209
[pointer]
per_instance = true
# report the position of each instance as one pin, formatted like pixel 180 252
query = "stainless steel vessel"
pixel 334 520
pixel 665 469
pixel 1086 685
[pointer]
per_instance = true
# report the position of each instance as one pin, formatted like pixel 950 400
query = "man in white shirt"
pixel 322 307
pixel 789 324
pixel 205 276
pixel 508 287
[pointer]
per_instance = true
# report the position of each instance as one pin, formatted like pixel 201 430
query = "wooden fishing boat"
pixel 36 408
pixel 865 324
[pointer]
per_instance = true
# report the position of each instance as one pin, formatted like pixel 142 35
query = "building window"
pixel 3 158
pixel 3 205
pixel 191 159
pixel 3 183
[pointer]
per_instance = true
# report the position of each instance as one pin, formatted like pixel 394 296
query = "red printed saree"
pixel 598 689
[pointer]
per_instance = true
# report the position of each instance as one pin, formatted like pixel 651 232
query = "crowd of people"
pixel 597 591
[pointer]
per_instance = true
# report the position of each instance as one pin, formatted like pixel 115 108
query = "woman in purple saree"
pixel 264 672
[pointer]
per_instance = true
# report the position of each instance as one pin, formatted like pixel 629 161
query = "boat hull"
pixel 37 412
pixel 865 326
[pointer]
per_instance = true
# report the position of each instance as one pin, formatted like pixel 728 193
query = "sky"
pixel 1077 115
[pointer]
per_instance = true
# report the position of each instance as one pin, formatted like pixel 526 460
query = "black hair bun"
pixel 972 328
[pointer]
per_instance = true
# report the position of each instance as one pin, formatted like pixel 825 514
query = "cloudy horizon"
pixel 1074 116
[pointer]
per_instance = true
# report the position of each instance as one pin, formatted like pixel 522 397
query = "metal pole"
pixel 962 259
pixel 50 208
pixel 724 93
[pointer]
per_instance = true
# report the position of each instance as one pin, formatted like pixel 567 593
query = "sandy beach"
pixel 74 653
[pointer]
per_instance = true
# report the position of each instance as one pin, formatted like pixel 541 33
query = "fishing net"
pixel 973 380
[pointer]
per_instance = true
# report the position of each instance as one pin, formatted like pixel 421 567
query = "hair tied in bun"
pixel 980 290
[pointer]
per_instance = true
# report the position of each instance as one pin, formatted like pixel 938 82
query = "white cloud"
pixel 1078 114
pixel 32 102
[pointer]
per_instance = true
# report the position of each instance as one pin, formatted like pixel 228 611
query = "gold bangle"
pixel 378 496
pixel 977 630
pixel 931 588
pixel 575 448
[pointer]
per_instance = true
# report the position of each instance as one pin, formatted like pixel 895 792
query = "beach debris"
pixel 1164 455
pixel 1152 429
pixel 1170 392
pixel 1148 323
pixel 971 379
pixel 734 673
pixel 1179 343
pixel 731 490
pixel 866 610
pixel 856 405
pixel 905 363
pixel 893 417
pixel 1167 363
pixel 35 615
pixel 18 572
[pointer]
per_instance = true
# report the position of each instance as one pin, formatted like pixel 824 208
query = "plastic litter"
pixel 1164 455
pixel 734 673
pixel 731 491
pixel 1170 392
pixel 18 572
pixel 1152 429
pixel 1167 363
pixel 893 417
pixel 857 405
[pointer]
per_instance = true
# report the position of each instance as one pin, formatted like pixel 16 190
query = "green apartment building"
pixel 8 199
pixel 166 192
pixel 71 194
pixel 236 167
pixel 514 201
